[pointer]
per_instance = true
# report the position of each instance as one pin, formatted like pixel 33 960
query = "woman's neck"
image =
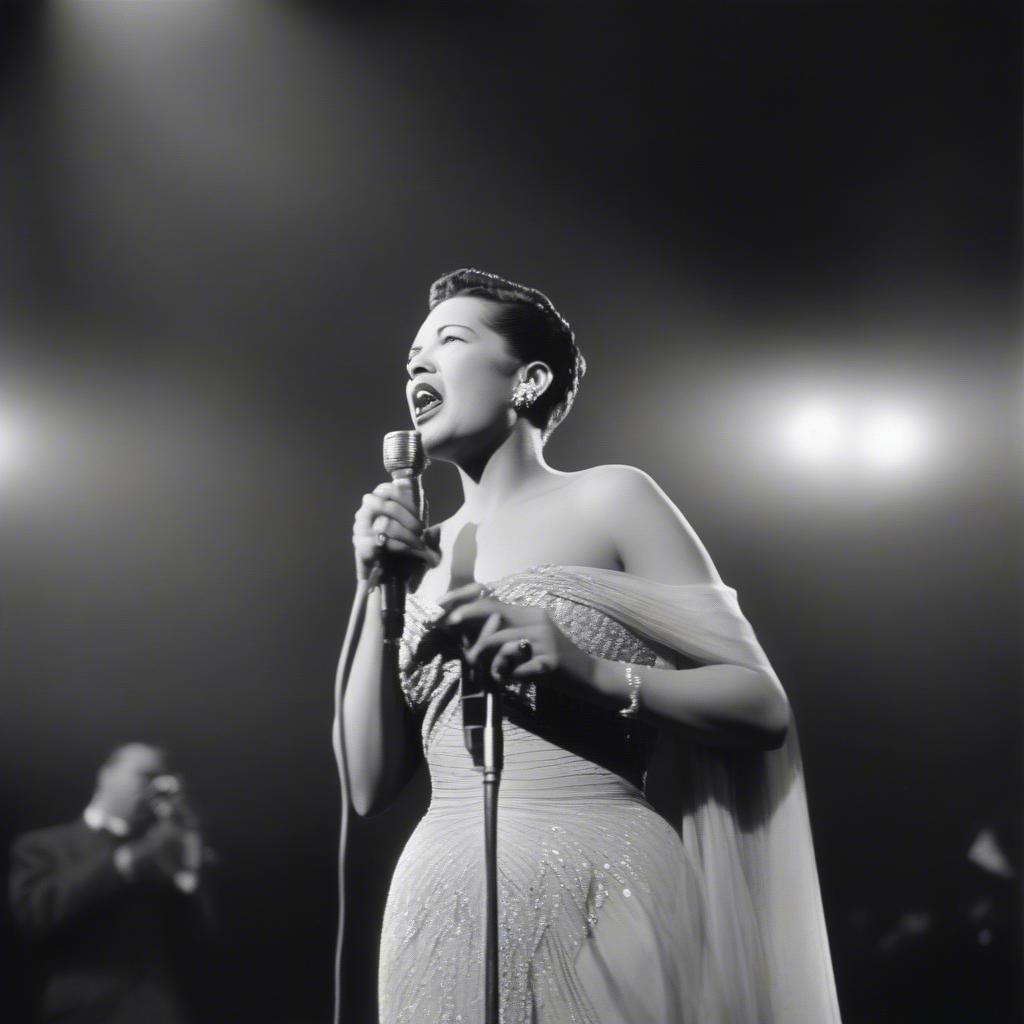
pixel 516 467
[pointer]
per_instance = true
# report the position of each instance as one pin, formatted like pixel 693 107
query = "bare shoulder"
pixel 620 484
pixel 613 477
pixel 653 537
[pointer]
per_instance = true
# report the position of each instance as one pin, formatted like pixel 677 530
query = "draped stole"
pixel 743 816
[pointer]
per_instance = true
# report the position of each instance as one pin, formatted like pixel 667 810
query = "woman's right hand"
pixel 388 521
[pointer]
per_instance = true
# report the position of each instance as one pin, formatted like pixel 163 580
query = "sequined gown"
pixel 599 904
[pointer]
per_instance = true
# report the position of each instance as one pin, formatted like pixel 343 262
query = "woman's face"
pixel 461 376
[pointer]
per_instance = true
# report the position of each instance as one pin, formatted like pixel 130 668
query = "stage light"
pixel 814 434
pixel 832 433
pixel 10 449
pixel 891 439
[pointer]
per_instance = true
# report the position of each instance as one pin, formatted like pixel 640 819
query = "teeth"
pixel 425 398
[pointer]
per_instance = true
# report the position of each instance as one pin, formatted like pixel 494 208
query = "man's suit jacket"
pixel 110 951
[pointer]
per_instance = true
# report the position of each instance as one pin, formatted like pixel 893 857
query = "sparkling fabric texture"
pixel 608 913
pixel 597 896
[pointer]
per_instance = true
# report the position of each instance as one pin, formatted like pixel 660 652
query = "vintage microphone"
pixel 404 461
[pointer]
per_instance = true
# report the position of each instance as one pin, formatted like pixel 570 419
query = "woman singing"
pixel 631 681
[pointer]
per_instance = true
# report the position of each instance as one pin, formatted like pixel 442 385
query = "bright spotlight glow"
pixel 891 439
pixel 814 433
pixel 9 449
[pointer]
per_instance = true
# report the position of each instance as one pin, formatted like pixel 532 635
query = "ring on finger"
pixel 525 649
pixel 382 539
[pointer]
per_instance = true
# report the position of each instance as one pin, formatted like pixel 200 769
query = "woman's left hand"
pixel 518 642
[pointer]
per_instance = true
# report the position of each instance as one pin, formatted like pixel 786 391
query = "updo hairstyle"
pixel 534 330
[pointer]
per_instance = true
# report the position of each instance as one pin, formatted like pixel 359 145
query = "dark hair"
pixel 534 329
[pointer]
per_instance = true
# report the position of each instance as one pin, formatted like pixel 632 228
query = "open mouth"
pixel 425 401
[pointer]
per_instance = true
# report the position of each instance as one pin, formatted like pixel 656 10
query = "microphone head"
pixel 403 453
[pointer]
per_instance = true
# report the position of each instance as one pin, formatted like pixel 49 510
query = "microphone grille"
pixel 403 450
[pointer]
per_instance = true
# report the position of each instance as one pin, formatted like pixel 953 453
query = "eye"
pixel 451 337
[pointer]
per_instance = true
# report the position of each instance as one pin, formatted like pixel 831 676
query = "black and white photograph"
pixel 511 513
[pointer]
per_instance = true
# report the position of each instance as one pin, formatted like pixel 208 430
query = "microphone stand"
pixel 481 727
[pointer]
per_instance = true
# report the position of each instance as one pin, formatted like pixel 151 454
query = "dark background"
pixel 219 224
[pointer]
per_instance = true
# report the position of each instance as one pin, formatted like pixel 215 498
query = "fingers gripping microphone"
pixel 404 460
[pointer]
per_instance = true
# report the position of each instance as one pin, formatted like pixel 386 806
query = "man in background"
pixel 113 902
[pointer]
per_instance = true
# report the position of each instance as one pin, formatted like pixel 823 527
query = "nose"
pixel 420 363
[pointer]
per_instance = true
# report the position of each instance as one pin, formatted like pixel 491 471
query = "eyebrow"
pixel 464 327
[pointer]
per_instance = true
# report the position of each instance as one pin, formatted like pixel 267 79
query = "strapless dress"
pixel 600 917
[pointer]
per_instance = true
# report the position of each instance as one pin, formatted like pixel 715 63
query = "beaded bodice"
pixel 431 671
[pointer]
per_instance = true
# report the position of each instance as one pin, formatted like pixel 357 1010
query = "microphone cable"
pixel 355 625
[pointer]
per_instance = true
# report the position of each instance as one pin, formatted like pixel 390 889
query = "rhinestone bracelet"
pixel 633 682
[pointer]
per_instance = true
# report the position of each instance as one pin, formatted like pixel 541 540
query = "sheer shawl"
pixel 744 816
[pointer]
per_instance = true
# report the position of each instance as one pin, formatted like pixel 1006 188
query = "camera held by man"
pixel 115 903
